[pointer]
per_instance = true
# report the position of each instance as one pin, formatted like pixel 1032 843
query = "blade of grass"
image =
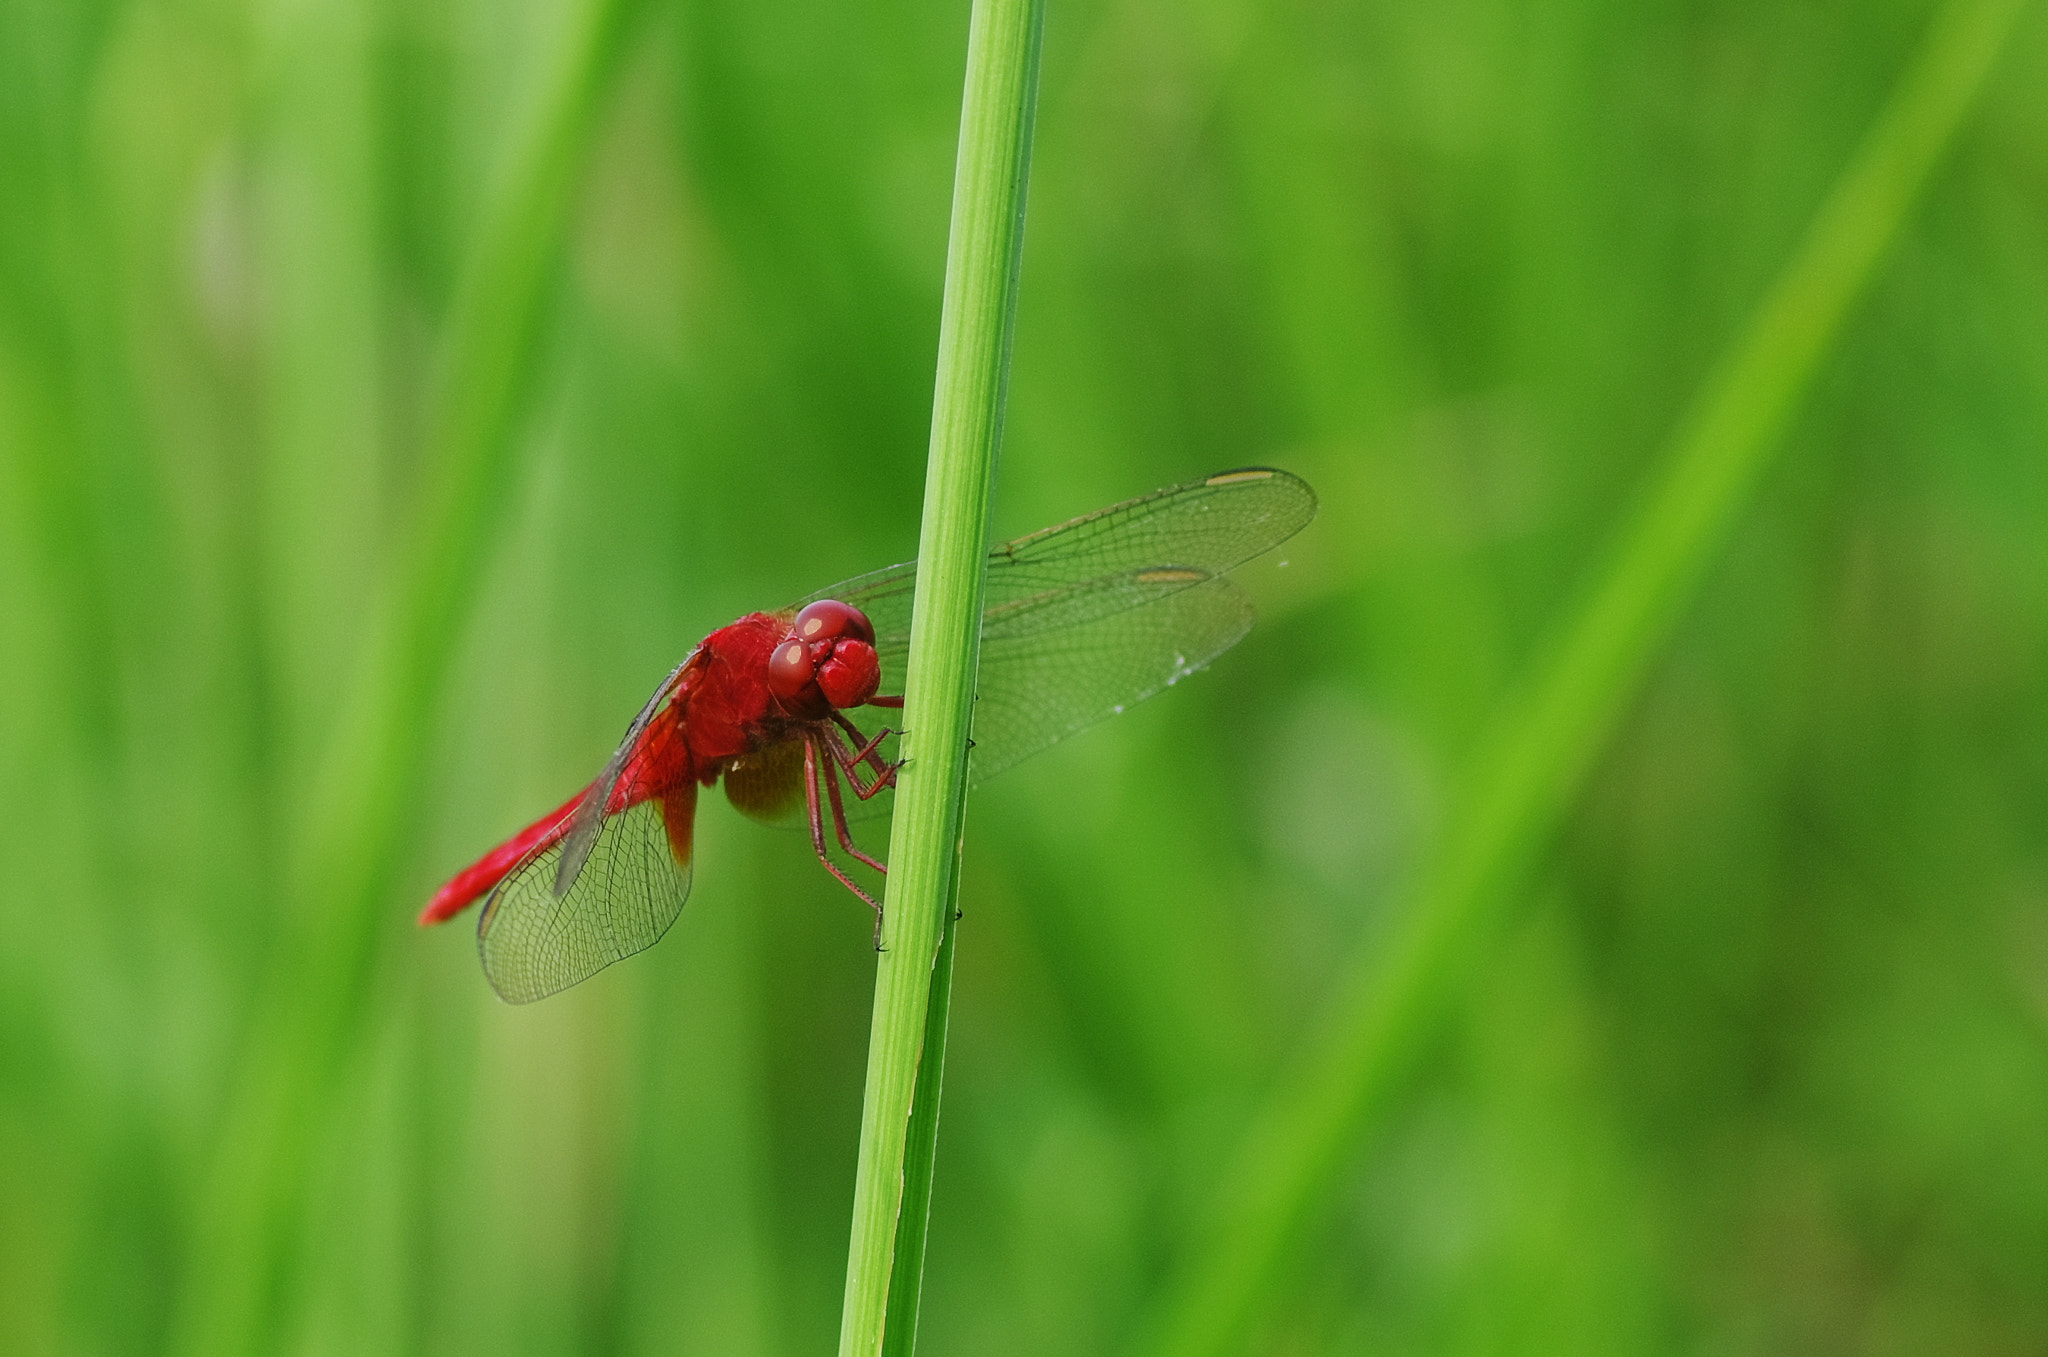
pixel 906 1282
pixel 975 325
pixel 1546 735
pixel 362 814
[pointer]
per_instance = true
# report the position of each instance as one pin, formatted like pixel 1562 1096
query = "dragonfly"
pixel 1080 621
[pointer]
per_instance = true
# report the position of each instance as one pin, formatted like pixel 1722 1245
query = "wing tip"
pixel 1292 503
pixel 1251 475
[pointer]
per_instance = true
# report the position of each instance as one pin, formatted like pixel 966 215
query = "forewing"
pixel 583 829
pixel 1083 619
pixel 632 885
pixel 1213 525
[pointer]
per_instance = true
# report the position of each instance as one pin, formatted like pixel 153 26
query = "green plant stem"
pixel 967 418
pixel 362 813
pixel 1392 997
pixel 906 1279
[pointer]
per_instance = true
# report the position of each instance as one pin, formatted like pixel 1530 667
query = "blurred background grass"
pixel 545 336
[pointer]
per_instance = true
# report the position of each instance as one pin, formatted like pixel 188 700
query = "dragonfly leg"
pixel 896 701
pixel 839 820
pixel 812 773
pixel 849 761
pixel 870 789
pixel 867 750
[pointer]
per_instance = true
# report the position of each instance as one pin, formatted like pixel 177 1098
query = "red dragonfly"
pixel 1080 621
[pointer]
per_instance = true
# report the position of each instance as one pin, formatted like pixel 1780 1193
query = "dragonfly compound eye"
pixel 851 676
pixel 828 619
pixel 790 670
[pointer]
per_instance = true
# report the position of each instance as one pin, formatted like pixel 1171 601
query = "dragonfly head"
pixel 828 660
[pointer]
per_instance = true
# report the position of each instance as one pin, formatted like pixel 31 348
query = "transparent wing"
pixel 1084 619
pixel 632 885
pixel 589 816
pixel 1039 686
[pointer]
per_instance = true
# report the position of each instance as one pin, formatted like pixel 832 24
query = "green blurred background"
pixel 546 335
